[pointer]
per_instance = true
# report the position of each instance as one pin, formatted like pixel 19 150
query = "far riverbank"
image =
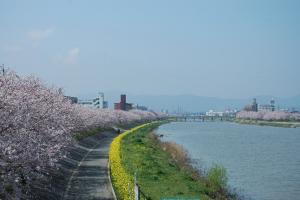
pixel 284 124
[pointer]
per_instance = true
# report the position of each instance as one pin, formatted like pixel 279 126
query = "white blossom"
pixel 37 123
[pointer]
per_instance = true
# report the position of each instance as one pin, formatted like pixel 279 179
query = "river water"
pixel 262 162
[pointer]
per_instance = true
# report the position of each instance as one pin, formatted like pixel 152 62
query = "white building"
pixel 230 113
pixel 97 102
pixel 267 107
pixel 212 113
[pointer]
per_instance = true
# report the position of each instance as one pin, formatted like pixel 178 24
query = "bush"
pixel 217 177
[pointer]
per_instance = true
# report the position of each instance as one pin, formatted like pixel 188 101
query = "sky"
pixel 229 49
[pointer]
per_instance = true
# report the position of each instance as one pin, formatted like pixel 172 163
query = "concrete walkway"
pixel 89 179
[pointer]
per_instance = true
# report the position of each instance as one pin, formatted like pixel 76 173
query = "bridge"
pixel 200 118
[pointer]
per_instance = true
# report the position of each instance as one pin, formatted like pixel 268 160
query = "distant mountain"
pixel 193 103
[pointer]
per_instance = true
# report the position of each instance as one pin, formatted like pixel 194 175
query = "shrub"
pixel 217 177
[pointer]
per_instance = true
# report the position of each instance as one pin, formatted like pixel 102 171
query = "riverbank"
pixel 162 169
pixel 82 174
pixel 284 124
pixel 255 157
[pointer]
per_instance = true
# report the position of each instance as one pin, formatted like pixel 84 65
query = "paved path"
pixel 89 180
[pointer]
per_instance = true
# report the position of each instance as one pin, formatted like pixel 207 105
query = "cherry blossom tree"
pixel 37 124
pixel 268 115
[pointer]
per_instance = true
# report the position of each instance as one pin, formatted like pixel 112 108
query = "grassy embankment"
pixel 163 169
pixel 285 124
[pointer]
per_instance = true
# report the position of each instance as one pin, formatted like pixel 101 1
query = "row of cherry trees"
pixel 36 125
pixel 268 115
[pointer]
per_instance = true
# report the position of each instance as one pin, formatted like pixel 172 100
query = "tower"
pixel 101 99
pixel 254 105
pixel 123 102
pixel 272 103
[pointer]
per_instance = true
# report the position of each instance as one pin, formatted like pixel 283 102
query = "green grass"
pixel 161 177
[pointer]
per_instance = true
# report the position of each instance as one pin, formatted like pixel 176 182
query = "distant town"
pixel 254 106
pixel 101 103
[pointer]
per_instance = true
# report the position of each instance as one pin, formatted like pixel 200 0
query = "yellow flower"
pixel 122 181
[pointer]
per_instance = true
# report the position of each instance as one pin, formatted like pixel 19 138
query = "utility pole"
pixel 3 70
pixel 136 188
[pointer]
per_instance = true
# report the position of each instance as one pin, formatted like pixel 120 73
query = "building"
pixel 230 112
pixel 123 105
pixel 86 103
pixel 165 111
pixel 252 107
pixel 139 107
pixel 267 107
pixel 73 100
pixel 97 102
pixel 262 107
pixel 212 113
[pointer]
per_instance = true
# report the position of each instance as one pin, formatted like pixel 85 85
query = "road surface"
pixel 89 179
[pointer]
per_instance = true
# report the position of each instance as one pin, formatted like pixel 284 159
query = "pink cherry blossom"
pixel 36 125
pixel 268 115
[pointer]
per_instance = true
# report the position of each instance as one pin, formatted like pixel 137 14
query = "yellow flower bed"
pixel 122 181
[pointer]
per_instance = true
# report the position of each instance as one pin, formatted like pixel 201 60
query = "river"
pixel 262 162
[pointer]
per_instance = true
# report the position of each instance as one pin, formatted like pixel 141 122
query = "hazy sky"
pixel 210 48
